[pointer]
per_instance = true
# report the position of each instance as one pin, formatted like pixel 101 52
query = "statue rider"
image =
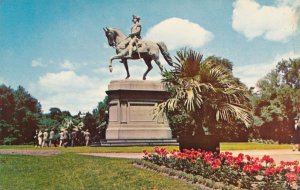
pixel 135 35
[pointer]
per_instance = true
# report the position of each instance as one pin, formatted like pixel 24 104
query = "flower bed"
pixel 243 171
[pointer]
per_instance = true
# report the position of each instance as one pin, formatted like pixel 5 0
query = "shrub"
pixel 243 171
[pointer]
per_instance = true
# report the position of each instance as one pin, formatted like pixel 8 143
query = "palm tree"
pixel 205 96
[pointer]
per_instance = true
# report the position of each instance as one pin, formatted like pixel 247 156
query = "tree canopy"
pixel 277 102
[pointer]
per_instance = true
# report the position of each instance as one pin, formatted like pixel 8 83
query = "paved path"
pixel 277 155
pixel 30 152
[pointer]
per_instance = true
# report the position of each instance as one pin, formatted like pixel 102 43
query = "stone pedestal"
pixel 131 121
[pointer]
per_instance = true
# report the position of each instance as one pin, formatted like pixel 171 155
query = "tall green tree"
pixel 9 132
pixel 276 104
pixel 27 113
pixel 205 97
pixel 19 114
pixel 7 104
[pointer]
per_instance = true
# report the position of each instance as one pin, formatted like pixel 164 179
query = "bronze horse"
pixel 148 51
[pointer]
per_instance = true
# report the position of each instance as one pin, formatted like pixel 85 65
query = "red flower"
pixel 279 169
pixel 297 169
pixel 248 157
pixel 215 166
pixel 270 171
pixel 294 163
pixel 145 152
pixel 208 162
pixel 290 177
pixel 267 159
pixel 161 151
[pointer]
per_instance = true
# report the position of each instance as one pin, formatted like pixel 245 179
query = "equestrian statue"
pixel 133 47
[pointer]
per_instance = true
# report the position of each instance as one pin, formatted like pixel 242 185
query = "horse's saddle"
pixel 139 47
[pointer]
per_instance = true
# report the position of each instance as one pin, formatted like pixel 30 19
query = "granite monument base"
pixel 131 121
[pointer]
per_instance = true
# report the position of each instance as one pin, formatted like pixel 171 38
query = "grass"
pixel 139 149
pixel 83 149
pixel 252 146
pixel 72 171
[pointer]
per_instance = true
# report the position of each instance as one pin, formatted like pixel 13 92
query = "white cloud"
pixel 67 64
pixel 69 91
pixel 74 92
pixel 275 23
pixel 177 33
pixel 37 63
pixel 250 74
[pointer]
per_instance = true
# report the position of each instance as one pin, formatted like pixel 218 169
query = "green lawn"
pixel 253 146
pixel 139 149
pixel 83 149
pixel 72 171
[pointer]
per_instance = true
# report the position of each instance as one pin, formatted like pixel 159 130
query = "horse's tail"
pixel 164 51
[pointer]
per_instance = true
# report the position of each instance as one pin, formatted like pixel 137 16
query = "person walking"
pixel 65 138
pixel 86 135
pixel 40 138
pixel 45 138
pixel 51 137
pixel 35 138
pixel 61 137
pixel 296 137
pixel 73 137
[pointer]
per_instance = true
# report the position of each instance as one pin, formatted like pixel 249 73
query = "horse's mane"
pixel 117 31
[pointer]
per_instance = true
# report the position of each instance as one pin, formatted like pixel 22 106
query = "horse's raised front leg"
pixel 148 63
pixel 124 61
pixel 118 56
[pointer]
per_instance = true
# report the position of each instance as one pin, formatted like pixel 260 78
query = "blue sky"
pixel 57 49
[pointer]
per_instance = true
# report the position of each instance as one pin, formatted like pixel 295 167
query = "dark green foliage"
pixel 101 116
pixel 19 115
pixel 48 123
pixel 206 99
pixel 277 103
pixel 90 123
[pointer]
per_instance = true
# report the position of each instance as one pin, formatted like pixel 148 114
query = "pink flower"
pixel 252 168
pixel 270 171
pixel 290 177
pixel 267 159
pixel 297 169
pixel 215 166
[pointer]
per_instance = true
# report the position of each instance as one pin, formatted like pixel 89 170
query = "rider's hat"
pixel 135 17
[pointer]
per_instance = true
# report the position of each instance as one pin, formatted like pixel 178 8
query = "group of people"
pixel 66 138
pixel 42 138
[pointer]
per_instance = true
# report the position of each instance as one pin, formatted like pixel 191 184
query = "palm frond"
pixel 205 87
